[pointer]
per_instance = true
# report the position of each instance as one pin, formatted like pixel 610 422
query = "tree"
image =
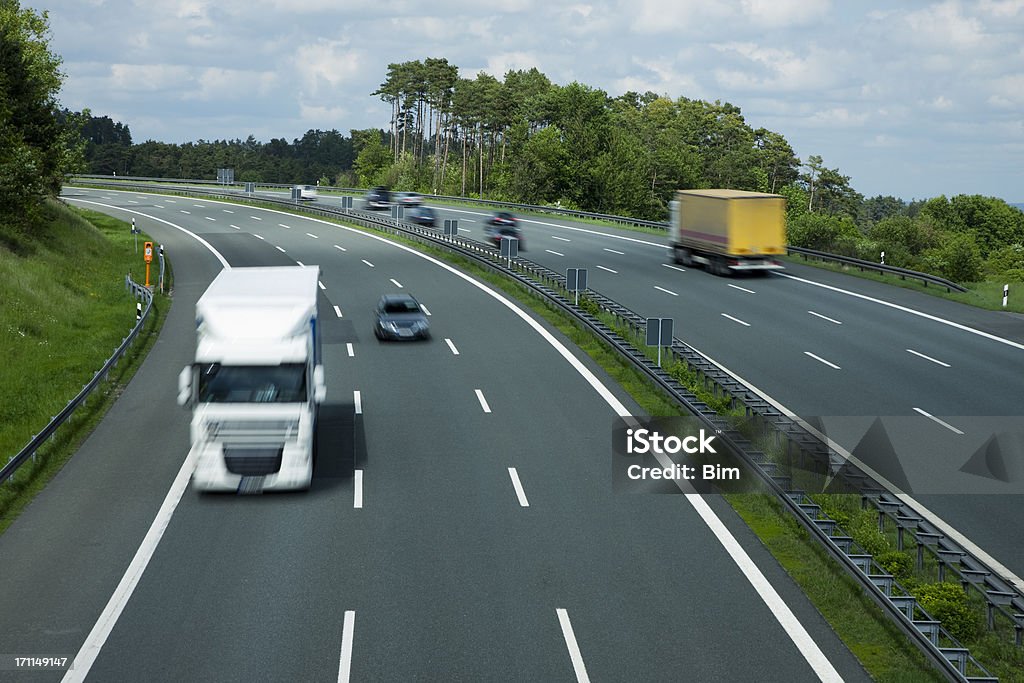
pixel 37 145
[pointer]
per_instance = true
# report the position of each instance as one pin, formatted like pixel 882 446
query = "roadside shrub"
pixel 948 603
pixel 899 564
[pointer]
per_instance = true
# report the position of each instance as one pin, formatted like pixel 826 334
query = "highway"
pixel 461 524
pixel 839 351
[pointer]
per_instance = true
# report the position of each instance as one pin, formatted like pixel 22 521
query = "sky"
pixel 910 99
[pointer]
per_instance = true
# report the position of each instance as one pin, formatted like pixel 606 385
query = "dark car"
pixel 377 199
pixel 400 316
pixel 503 224
pixel 422 215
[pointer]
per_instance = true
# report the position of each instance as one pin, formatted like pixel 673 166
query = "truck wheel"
pixel 683 256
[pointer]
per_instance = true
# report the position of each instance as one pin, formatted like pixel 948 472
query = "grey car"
pixel 400 316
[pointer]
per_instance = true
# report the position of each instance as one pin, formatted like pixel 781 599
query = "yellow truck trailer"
pixel 728 231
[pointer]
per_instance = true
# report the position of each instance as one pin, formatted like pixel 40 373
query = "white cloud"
pixel 148 77
pixel 672 16
pixel 837 117
pixel 660 76
pixel 500 64
pixel 944 26
pixel 326 64
pixel 1002 8
pixel 781 13
pixel 766 68
pixel 941 103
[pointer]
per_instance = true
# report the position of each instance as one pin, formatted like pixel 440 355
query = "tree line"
pixel 39 143
pixel 525 139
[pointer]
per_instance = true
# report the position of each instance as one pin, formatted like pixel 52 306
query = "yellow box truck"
pixel 728 231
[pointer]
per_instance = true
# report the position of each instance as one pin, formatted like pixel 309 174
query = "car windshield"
pixel 284 383
pixel 401 306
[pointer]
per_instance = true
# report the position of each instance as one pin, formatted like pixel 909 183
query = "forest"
pixel 525 139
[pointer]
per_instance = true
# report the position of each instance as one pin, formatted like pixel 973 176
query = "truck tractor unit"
pixel 257 380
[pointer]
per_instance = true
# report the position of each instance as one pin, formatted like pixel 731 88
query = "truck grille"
pixel 259 430
pixel 253 462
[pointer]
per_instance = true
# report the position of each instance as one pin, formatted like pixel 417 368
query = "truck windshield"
pixel 284 383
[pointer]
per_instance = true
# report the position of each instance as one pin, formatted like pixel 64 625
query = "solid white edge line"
pixel 101 630
pixel 483 401
pixel 350 349
pixel 357 493
pixel 220 257
pixel 518 486
pixel 934 360
pixel 574 649
pixel 825 317
pixel 357 398
pixel 662 289
pixel 911 311
pixel 347 633
pixel 451 345
pixel 808 648
pixel 776 605
pixel 743 289
pixel 337 312
pixel 736 320
pixel 822 360
pixel 937 420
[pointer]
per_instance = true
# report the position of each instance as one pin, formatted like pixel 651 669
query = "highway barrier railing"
pixel 28 453
pixel 861 264
pixel 1003 599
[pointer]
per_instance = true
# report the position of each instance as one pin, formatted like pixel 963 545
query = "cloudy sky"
pixel 912 99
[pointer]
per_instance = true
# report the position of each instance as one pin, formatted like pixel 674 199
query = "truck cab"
pixel 256 381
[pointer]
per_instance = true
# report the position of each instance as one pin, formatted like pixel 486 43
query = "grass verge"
pixel 65 309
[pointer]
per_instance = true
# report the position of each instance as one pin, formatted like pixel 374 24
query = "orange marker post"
pixel 147 251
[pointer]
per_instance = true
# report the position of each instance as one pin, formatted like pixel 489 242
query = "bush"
pixel 947 602
pixel 897 563
pixel 957 259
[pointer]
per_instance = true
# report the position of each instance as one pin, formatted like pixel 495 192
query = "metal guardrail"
pixel 861 264
pixel 29 451
pixel 1001 597
pixel 904 273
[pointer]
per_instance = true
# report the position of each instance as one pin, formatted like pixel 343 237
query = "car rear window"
pixel 401 307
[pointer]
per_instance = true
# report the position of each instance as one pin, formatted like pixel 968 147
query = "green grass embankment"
pixel 63 310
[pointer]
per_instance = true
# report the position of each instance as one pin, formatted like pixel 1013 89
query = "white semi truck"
pixel 257 380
